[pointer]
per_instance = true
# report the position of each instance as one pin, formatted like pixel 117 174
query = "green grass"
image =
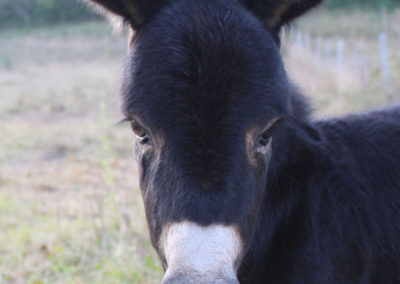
pixel 70 207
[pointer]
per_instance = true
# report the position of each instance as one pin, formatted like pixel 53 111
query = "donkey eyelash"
pixel 270 128
pixel 123 121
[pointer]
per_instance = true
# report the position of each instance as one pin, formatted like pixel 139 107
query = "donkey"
pixel 240 185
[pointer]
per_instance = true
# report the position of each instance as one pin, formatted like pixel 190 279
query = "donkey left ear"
pixel 133 12
pixel 277 13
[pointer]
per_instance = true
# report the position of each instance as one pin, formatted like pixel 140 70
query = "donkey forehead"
pixel 200 64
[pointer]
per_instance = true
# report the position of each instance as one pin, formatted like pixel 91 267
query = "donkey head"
pixel 205 89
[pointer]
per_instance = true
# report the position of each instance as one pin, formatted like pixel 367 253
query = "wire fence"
pixel 364 59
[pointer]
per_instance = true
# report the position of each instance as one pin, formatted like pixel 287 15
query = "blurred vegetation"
pixel 362 4
pixel 40 12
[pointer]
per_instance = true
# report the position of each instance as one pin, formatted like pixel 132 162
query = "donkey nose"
pixel 195 279
pixel 196 254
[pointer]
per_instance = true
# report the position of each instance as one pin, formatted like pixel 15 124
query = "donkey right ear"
pixel 133 12
pixel 277 13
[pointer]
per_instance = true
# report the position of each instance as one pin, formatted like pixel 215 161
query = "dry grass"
pixel 334 92
pixel 70 208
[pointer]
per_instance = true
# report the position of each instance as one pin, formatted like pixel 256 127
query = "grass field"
pixel 70 208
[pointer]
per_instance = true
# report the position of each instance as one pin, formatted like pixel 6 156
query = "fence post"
pixel 339 55
pixel 385 19
pixel 299 39
pixel 318 50
pixel 329 50
pixel 354 60
pixel 307 41
pixel 364 68
pixel 383 50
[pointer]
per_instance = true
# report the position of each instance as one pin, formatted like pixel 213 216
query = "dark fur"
pixel 332 214
pixel 321 206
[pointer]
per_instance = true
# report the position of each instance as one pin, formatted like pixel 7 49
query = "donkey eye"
pixel 139 131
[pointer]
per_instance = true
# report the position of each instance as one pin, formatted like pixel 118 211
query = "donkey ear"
pixel 133 12
pixel 277 13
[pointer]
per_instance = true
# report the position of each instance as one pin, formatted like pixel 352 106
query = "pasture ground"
pixel 70 207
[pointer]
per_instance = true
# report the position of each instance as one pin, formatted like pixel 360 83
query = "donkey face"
pixel 204 88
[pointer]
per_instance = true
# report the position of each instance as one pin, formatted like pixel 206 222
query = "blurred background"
pixel 70 208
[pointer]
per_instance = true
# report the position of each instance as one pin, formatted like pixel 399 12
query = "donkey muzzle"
pixel 200 254
pixel 198 279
